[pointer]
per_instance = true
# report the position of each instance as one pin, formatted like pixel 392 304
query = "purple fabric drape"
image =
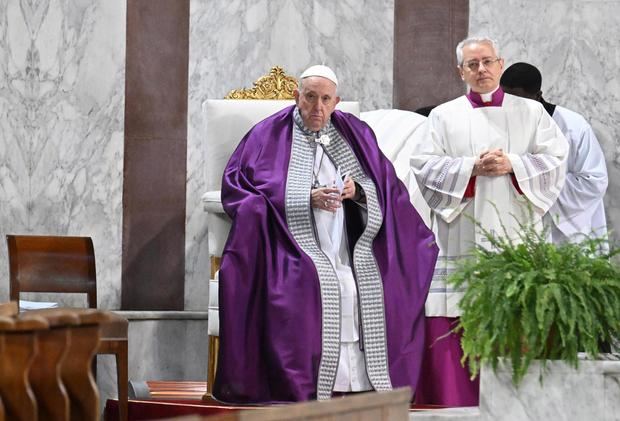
pixel 269 298
pixel 443 380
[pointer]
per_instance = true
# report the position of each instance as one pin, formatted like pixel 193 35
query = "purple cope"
pixel 269 297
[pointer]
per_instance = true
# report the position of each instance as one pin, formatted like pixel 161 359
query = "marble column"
pixel 62 80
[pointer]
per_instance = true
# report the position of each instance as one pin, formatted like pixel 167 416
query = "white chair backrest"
pixel 228 120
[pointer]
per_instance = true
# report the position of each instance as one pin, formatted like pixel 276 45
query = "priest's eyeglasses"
pixel 475 65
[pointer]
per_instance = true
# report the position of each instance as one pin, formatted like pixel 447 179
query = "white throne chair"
pixel 227 121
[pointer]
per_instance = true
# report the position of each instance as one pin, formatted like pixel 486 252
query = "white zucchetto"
pixel 320 70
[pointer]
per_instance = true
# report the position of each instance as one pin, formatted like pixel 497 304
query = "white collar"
pixel 488 96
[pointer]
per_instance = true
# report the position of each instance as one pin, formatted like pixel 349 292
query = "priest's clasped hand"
pixel 492 163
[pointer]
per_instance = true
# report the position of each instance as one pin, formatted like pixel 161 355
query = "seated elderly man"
pixel 327 264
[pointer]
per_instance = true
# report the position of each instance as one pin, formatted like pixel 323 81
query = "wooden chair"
pixel 59 264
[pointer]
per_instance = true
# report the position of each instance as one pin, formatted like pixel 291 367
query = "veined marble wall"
pixel 62 66
pixel 62 88
pixel 233 42
pixel 575 45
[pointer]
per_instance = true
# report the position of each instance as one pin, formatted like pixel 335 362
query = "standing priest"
pixel 488 157
pixel 327 264
pixel 579 211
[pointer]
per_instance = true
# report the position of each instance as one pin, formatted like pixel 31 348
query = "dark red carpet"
pixel 152 410
pixel 177 398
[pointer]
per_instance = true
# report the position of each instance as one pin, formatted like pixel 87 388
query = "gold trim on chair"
pixel 275 85
pixel 214 341
pixel 214 349
pixel 216 261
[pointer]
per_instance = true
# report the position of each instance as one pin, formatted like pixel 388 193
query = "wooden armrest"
pixel 6 323
pixel 56 317
pixel 9 309
pixel 30 323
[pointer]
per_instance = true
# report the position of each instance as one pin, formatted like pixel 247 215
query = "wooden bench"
pixel 45 363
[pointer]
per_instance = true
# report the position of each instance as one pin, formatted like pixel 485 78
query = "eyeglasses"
pixel 475 65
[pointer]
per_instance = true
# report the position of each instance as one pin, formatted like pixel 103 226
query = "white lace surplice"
pixel 443 159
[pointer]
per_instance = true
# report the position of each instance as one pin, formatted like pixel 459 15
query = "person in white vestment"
pixel 488 157
pixel 579 211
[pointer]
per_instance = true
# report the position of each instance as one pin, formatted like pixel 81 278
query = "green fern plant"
pixel 530 299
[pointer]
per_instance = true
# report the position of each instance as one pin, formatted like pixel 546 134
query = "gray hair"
pixel 475 40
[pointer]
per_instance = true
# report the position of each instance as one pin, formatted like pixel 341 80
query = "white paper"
pixel 25 305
